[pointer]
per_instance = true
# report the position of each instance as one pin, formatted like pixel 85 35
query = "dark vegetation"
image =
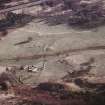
pixel 2 2
pixel 13 21
pixel 10 20
pixel 75 13
pixel 81 13
pixel 47 93
pixel 54 95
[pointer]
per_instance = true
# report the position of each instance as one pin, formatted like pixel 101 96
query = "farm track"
pixel 45 55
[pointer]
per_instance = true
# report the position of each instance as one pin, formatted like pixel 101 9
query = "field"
pixel 49 58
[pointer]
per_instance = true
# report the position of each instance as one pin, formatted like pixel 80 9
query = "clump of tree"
pixel 88 13
pixel 82 13
pixel 2 3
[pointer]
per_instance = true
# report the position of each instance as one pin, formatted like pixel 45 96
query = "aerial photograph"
pixel 52 52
